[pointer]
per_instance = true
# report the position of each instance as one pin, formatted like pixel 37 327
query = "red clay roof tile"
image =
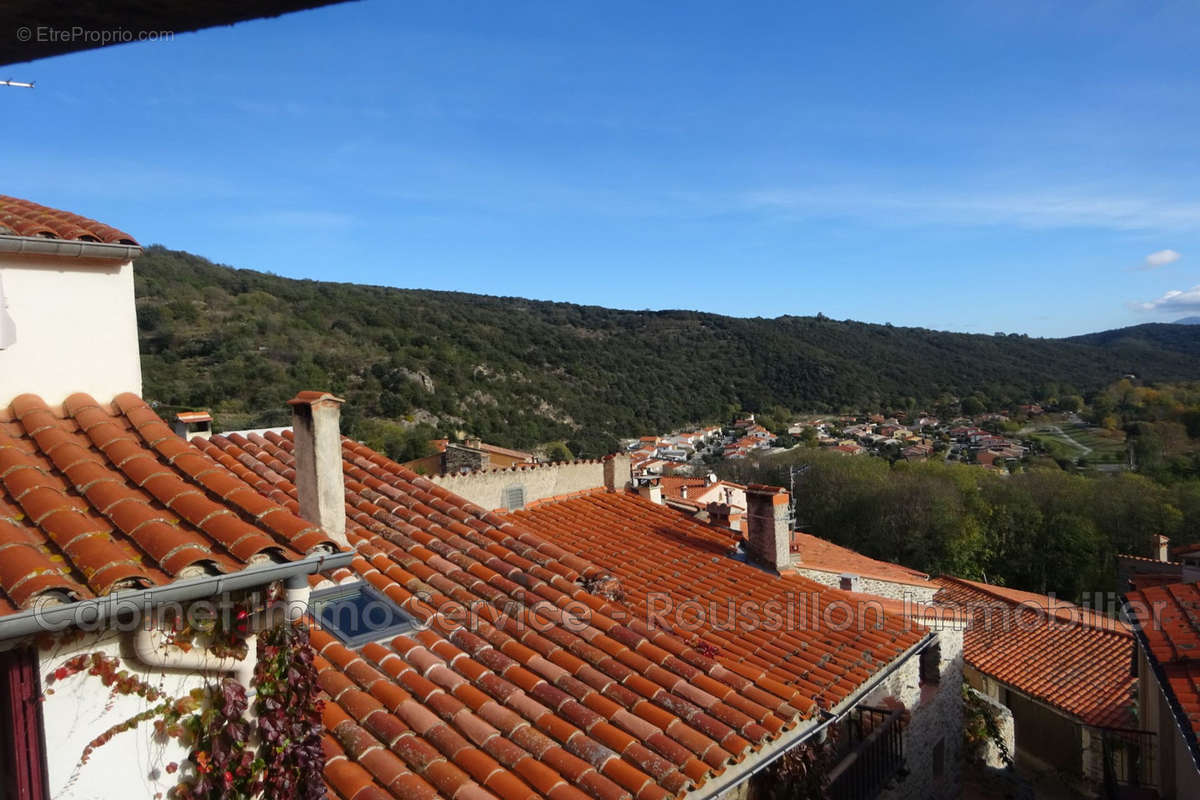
pixel 1070 658
pixel 521 703
pixel 88 505
pixel 1168 623
pixel 24 218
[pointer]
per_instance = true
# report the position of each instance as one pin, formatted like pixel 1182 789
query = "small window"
pixel 514 497
pixel 358 614
pixel 931 663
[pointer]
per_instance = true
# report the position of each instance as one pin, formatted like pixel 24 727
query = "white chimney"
pixel 1162 544
pixel 683 491
pixel 649 489
pixel 319 479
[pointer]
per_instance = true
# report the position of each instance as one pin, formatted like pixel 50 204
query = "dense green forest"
pixel 1042 530
pixel 520 372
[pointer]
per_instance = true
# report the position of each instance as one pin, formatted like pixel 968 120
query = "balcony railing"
pixel 1129 767
pixel 874 755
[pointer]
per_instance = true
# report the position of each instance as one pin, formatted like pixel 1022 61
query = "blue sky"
pixel 964 165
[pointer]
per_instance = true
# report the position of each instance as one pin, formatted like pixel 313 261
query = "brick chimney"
pixel 1162 548
pixel 319 479
pixel 618 472
pixel 767 526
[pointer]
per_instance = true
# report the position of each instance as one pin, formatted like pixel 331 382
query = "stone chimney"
pixel 650 489
pixel 767 526
pixel 319 479
pixel 464 458
pixel 1162 549
pixel 618 472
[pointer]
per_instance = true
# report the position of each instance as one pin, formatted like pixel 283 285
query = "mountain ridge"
pixel 519 372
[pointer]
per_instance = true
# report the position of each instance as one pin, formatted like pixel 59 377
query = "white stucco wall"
pixel 75 325
pixel 486 487
pixel 132 764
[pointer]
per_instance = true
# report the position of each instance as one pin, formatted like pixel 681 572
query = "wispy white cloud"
pixel 1174 300
pixel 1160 258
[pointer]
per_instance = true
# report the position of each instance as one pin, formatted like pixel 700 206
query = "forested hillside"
pixel 518 372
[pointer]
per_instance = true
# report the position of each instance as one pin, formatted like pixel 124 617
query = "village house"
pixel 1064 673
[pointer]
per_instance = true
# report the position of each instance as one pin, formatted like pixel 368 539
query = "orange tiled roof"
pixel 1067 657
pixel 94 499
pixel 1167 620
pixel 654 549
pixel 22 218
pixel 821 554
pixel 557 692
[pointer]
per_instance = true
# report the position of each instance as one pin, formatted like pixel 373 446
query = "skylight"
pixel 357 614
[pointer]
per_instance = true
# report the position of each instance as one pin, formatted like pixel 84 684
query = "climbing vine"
pixel 803 771
pixel 981 728
pixel 289 714
pixel 231 758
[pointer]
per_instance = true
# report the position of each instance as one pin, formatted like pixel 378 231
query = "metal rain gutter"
pixel 48 618
pixel 748 768
pixel 67 248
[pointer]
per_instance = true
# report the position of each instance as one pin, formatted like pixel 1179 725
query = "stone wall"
pixel 933 738
pixel 486 488
pixel 880 588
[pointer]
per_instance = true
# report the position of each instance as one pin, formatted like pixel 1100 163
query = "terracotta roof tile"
pixel 97 499
pixel 24 218
pixel 796 667
pixel 1068 657
pixel 1168 622
pixel 821 554
pixel 520 702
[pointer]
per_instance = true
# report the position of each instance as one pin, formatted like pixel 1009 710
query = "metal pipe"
pixel 67 248
pixel 153 649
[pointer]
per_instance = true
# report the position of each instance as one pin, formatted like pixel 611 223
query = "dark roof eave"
pixel 67 248
pixel 61 617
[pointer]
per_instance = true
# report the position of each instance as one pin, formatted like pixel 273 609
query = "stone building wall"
pixel 880 588
pixel 487 488
pixel 934 736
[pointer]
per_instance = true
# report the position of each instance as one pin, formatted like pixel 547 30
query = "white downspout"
pixel 154 650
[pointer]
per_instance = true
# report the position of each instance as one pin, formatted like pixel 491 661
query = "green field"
pixel 1107 448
